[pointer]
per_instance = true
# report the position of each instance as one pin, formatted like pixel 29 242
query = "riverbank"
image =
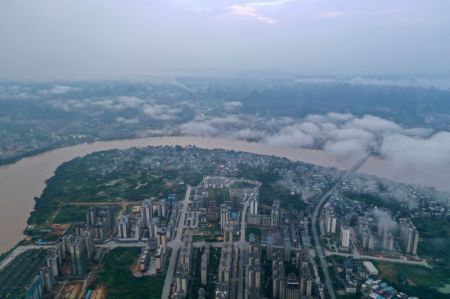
pixel 24 180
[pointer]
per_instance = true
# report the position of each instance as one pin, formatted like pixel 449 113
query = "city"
pixel 226 149
pixel 247 231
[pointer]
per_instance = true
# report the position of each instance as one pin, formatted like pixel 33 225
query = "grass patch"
pixel 117 175
pixel 435 240
pixel 414 280
pixel 435 245
pixel 120 282
pixel 70 213
pixel 412 275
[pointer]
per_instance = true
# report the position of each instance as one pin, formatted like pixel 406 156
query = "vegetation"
pixel 417 280
pixel 120 282
pixel 266 274
pixel 70 213
pixel 114 176
pixel 213 267
pixel 414 280
pixel 117 176
pixel 435 234
pixel 374 200
pixel 435 245
pixel 269 189
pixel 337 278
pixel 220 195
pixel 195 283
pixel 409 274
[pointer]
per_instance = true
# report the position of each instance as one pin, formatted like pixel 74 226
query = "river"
pixel 22 181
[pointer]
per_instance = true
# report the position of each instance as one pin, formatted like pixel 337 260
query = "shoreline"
pixel 25 179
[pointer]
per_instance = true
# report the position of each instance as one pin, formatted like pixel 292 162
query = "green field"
pixel 133 175
pixel 69 213
pixel 115 177
pixel 270 189
pixel 435 241
pixel 423 282
pixel 120 282
pixel 414 280
pixel 412 275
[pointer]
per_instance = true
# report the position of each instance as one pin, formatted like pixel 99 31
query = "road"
pixel 402 260
pixel 242 244
pixel 115 244
pixel 175 245
pixel 318 246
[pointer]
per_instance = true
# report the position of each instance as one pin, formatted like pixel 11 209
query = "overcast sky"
pixel 42 39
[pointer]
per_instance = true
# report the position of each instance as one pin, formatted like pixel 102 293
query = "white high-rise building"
pixel 162 208
pixel 147 213
pixel 330 221
pixel 224 215
pixel 153 229
pixel 409 236
pixel 138 229
pixel 162 239
pixel 122 227
pixel 254 206
pixel 345 236
pixel 204 266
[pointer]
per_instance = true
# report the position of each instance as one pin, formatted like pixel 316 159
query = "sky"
pixel 52 39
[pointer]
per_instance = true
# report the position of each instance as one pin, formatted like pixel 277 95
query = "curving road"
pixel 175 245
pixel 242 245
pixel 318 247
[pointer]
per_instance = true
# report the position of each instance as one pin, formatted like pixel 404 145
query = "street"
pixel 175 245
pixel 318 246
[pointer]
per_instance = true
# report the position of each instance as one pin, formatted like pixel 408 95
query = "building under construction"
pixel 24 276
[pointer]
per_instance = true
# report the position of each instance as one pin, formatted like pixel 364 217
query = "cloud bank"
pixel 418 153
pixel 137 106
pixel 442 83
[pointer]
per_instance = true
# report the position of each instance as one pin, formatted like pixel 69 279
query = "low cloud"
pixel 417 154
pixel 348 150
pixel 198 129
pixel 247 134
pixel 291 137
pixel 232 106
pixel 160 112
pixel 127 121
pixel 16 92
pixel 59 90
pixel 129 102
pixel 374 124
pixel 442 83
pixel 119 105
pixel 426 160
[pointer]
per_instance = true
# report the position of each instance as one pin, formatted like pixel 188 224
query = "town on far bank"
pixel 184 222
